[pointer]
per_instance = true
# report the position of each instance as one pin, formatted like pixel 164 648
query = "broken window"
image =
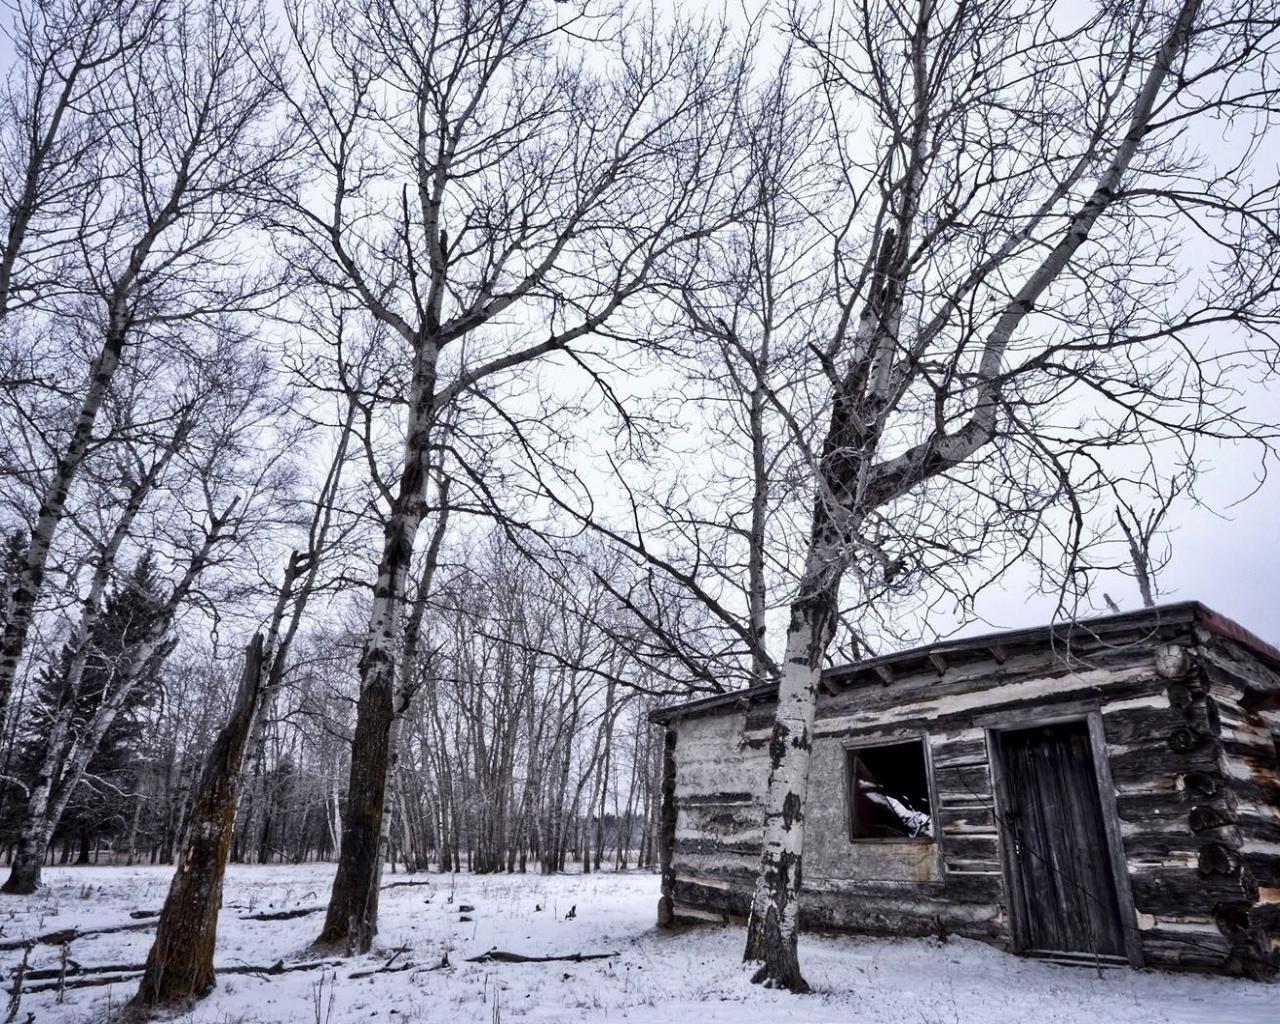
pixel 889 792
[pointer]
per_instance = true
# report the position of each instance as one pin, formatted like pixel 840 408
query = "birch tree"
pixel 1011 285
pixel 217 498
pixel 54 112
pixel 176 167
pixel 481 194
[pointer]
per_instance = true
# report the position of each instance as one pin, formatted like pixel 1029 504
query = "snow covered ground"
pixel 694 976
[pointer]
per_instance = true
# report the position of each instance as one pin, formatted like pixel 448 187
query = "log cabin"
pixel 1104 791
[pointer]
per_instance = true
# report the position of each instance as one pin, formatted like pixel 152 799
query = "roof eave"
pixel 998 643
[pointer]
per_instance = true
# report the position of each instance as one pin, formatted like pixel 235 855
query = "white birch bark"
pixel 73 752
pixel 844 500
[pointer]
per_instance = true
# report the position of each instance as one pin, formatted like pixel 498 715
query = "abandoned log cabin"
pixel 1105 791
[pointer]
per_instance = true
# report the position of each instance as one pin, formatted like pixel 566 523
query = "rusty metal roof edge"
pixel 1174 613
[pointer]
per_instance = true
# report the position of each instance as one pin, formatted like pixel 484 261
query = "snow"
pixel 693 975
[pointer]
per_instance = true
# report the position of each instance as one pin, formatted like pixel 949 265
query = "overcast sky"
pixel 1224 555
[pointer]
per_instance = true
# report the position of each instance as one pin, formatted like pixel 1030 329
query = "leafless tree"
pixel 218 498
pixel 1141 528
pixel 484 199
pixel 179 965
pixel 56 125
pixel 1004 293
pixel 139 199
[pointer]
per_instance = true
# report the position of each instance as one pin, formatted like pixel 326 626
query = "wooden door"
pixel 1063 896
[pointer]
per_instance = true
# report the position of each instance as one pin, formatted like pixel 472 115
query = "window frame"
pixel 851 748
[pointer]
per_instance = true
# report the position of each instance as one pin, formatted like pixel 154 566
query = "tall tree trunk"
pixel 35 830
pixel 52 508
pixel 37 827
pixel 772 929
pixel 352 914
pixel 353 903
pixel 53 505
pixel 179 966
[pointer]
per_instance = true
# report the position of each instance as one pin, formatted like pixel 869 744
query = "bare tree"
pixel 985 280
pixel 540 195
pixel 179 966
pixel 176 164
pixel 55 122
pixel 1141 529
pixel 217 499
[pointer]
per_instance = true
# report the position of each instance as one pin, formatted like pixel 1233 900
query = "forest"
pixel 402 399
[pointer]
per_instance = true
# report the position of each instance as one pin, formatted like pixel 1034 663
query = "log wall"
pixel 1193 799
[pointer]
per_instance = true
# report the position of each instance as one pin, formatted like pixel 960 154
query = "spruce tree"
pixel 100 804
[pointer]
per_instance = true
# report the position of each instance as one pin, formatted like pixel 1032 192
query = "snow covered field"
pixel 694 976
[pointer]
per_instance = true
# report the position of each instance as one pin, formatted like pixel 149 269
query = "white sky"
pixel 1225 555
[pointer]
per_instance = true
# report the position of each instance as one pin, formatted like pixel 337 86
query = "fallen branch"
pixel 110 974
pixel 391 967
pixel 282 915
pixel 397 885
pixel 387 968
pixel 499 956
pixel 74 969
pixel 279 967
pixel 53 986
pixel 65 935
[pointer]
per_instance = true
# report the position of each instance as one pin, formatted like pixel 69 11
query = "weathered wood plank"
pixel 964 820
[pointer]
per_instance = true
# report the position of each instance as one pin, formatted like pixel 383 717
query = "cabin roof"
pixel 997 645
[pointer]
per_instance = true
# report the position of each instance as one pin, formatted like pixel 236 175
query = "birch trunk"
pixel 775 910
pixel 76 752
pixel 851 484
pixel 37 829
pixel 62 772
pixel 353 904
pixel 53 507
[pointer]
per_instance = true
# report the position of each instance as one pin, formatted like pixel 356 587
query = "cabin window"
pixel 889 792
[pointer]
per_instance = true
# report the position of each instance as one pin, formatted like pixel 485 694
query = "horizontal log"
pixel 1131 766
pixel 969 750
pixel 972 782
pixel 501 956
pixel 1140 725
pixel 62 936
pixel 977 818
pixel 971 848
pixel 716 847
pixel 1138 808
pixel 1167 892
pixel 1161 948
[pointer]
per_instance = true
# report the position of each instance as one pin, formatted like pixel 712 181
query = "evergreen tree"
pixel 102 803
